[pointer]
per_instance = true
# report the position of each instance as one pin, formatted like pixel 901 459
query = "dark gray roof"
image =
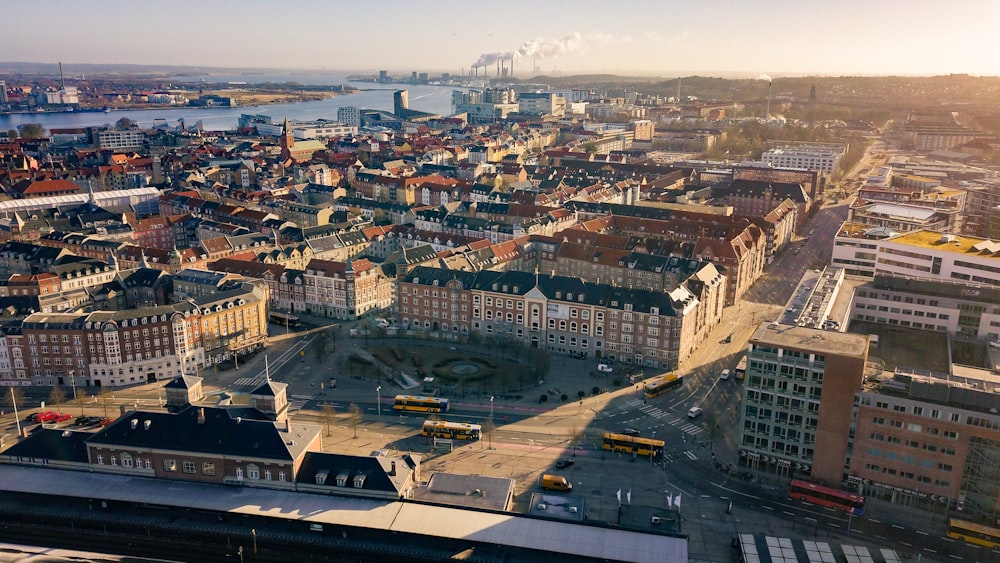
pixel 220 434
pixel 52 444
pixel 183 382
pixel 374 469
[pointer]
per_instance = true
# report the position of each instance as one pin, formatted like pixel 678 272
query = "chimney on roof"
pixel 288 424
pixel 392 468
pixel 201 415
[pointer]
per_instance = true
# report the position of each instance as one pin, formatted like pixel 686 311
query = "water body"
pixel 434 99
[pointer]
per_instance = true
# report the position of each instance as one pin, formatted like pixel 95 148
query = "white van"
pixel 724 375
pixel 695 412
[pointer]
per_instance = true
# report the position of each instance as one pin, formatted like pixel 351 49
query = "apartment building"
pixel 346 290
pixel 120 140
pixel 800 383
pixel 930 440
pixel 555 313
pixel 134 345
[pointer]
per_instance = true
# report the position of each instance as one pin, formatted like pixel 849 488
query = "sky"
pixel 657 37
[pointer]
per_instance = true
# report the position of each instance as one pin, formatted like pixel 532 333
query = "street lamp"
pixel 253 532
pixel 378 399
pixel 491 407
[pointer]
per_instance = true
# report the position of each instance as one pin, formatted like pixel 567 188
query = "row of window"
pixel 942 483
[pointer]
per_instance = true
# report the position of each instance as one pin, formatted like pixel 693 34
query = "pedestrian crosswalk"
pixel 250 381
pixel 297 402
pixel 655 412
pixel 686 455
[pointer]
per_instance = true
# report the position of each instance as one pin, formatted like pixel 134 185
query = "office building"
pixel 798 394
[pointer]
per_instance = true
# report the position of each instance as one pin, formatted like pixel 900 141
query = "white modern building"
pixel 958 308
pixel 120 140
pixel 818 157
pixel 870 251
pixel 349 116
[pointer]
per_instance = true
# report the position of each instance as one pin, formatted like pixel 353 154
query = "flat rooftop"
pixel 958 244
pixel 811 340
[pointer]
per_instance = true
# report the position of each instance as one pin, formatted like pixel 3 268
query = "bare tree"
pixel 105 395
pixel 488 428
pixel 14 397
pixel 356 416
pixel 57 396
pixel 327 412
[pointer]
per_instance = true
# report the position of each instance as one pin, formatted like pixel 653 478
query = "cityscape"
pixel 528 295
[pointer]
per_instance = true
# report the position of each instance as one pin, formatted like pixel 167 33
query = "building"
pixel 818 157
pixel 799 384
pixel 120 140
pixel 400 102
pixel 350 116
pixel 555 313
pixel 541 103
pixel 958 308
pixel 930 440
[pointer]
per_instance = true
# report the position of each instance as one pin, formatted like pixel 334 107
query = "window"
pixel 189 467
pixel 170 465
pixel 208 468
pixel 253 472
pixel 126 460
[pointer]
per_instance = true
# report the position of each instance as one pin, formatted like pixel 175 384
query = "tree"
pixel 13 398
pixel 125 123
pixel 327 414
pixel 488 427
pixel 31 130
pixel 57 396
pixel 105 395
pixel 12 135
pixel 355 416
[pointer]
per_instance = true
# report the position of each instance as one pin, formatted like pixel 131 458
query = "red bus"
pixel 825 496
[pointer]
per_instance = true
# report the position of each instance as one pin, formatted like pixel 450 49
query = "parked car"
pixel 106 421
pixel 564 463
pixel 694 412
pixel 83 421
pixel 63 418
pixel 605 368
pixel 48 416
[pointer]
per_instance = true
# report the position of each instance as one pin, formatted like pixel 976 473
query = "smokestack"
pixel 678 89
pixel 512 68
pixel 498 68
pixel 62 81
pixel 767 112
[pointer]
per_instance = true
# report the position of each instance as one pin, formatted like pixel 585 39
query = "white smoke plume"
pixel 765 77
pixel 540 48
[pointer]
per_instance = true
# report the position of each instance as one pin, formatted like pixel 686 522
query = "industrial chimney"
pixel 767 112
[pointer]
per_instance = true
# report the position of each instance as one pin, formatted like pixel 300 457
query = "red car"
pixel 63 418
pixel 48 416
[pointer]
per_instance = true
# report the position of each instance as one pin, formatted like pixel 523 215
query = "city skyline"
pixel 749 39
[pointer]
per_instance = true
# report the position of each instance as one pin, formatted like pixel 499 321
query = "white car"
pixel 724 375
pixel 694 412
pixel 604 367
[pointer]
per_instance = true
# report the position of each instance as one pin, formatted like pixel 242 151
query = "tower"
pixel 400 102
pixel 286 141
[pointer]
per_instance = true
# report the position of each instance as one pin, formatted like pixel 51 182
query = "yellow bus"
pixel 974 533
pixel 741 368
pixel 633 444
pixel 451 430
pixel 661 384
pixel 417 403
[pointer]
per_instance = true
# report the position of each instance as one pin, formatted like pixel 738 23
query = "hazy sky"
pixel 664 37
